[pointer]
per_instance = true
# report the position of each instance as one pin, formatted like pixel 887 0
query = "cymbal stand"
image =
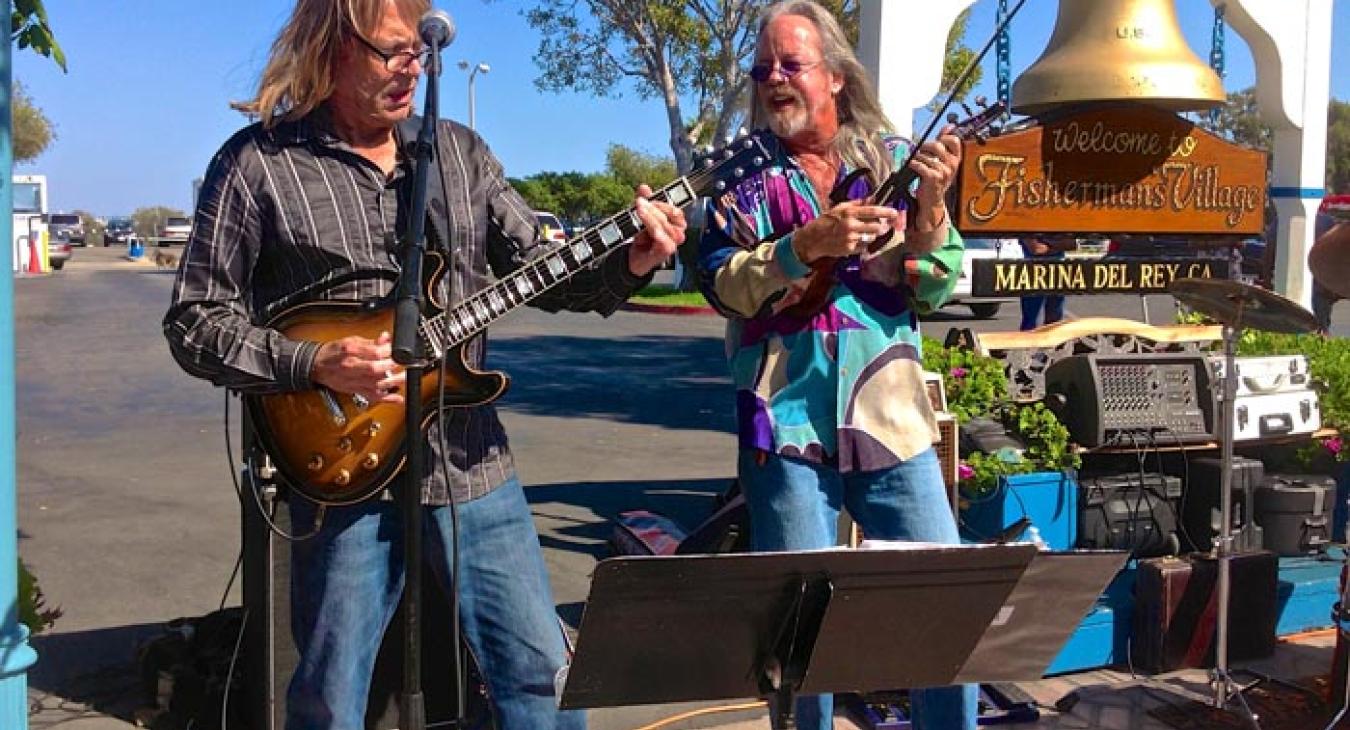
pixel 1340 615
pixel 1221 678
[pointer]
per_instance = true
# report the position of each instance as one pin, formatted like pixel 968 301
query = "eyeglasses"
pixel 396 61
pixel 761 72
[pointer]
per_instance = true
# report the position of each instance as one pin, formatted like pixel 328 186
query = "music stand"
pixel 772 625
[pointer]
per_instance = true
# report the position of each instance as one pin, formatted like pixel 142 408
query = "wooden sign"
pixel 1117 169
pixel 1018 277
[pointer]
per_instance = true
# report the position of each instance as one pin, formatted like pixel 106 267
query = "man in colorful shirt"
pixel 831 404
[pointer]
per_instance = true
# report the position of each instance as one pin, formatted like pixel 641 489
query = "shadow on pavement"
pixel 96 668
pixel 687 502
pixel 670 381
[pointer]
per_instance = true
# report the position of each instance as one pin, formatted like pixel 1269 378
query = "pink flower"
pixel 1333 445
pixel 959 373
pixel 965 471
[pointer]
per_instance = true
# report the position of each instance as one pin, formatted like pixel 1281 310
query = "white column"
pixel 907 67
pixel 1290 42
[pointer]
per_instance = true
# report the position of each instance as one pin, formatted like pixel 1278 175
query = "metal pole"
pixel 472 74
pixel 15 654
pixel 1223 683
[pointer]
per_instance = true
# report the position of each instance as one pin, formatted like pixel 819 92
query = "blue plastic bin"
pixel 1049 499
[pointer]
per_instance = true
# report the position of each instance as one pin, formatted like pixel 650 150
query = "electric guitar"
pixel 337 448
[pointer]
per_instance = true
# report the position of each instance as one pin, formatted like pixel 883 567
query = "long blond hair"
pixel 861 119
pixel 299 72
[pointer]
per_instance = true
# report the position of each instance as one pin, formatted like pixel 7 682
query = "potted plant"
pixel 1000 488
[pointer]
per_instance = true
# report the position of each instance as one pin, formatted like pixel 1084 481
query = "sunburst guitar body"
pixel 336 448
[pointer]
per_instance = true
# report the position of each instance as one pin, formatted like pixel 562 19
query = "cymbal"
pixel 1329 260
pixel 1243 306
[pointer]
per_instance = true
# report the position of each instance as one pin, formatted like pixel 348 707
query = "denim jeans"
pixel 1031 309
pixel 794 505
pixel 345 587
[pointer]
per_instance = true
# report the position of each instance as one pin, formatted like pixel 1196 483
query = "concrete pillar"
pixel 15 654
pixel 1290 42
pixel 907 67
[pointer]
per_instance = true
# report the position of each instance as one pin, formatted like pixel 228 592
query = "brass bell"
pixel 1117 50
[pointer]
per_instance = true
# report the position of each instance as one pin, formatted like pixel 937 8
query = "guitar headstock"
pixel 978 125
pixel 719 170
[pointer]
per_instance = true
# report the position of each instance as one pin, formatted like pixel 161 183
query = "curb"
pixel 668 309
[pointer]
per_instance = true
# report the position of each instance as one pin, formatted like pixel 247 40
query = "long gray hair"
pixel 861 119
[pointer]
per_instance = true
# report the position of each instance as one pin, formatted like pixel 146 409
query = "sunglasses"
pixel 761 72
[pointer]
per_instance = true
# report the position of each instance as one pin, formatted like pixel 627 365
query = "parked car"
pixel 550 228
pixel 58 253
pixel 118 231
pixel 983 248
pixel 174 230
pixel 65 227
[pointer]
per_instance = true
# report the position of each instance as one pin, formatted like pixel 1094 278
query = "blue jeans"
pixel 794 505
pixel 345 587
pixel 1031 309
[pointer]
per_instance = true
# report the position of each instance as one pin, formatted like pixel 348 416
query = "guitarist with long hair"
pixel 308 204
pixel 821 299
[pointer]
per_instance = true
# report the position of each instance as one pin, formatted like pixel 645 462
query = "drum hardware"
pixel 1235 306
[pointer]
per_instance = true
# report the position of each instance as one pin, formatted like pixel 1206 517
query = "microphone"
pixel 436 29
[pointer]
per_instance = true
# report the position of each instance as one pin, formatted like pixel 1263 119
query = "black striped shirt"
pixel 293 214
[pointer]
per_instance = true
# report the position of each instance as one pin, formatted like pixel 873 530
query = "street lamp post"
pixel 473 71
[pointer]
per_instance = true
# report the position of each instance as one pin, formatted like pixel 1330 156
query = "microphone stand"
pixel 406 352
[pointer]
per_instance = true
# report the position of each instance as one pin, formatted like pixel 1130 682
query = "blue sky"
pixel 144 104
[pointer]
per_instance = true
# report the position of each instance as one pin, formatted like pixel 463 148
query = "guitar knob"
pixel 344 444
pixel 370 461
pixel 360 401
pixel 315 462
pixel 374 428
pixel 343 478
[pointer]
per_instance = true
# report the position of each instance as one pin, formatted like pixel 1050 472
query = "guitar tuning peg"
pixel 982 101
pixel 966 107
pixel 951 117
pixel 982 136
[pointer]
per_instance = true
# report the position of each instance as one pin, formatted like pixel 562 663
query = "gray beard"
pixel 788 124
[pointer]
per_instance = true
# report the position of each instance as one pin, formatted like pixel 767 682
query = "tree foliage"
pixel 660 49
pixel 958 56
pixel 32 131
pixel 1240 121
pixel 148 221
pixel 633 168
pixel 29 28
pixel 582 198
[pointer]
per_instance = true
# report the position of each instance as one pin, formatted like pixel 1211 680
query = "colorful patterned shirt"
pixel 843 386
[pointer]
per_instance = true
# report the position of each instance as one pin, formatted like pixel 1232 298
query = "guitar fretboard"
pixel 476 313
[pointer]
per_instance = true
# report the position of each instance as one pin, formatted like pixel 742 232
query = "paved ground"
pixel 128 516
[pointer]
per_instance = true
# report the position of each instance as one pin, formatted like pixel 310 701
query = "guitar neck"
pixel 475 314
